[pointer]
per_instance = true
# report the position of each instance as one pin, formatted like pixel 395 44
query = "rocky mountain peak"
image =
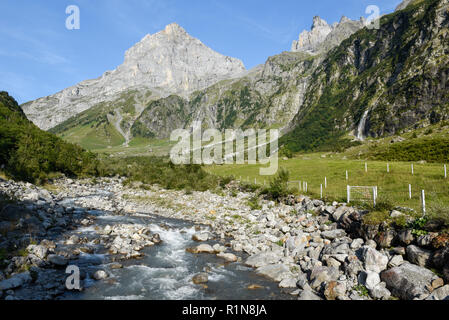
pixel 323 36
pixel 174 28
pixel 318 22
pixel 344 19
pixel 167 62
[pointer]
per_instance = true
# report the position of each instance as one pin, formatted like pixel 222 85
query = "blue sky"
pixel 39 56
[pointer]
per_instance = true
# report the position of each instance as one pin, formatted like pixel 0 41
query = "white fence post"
pixel 349 193
pixel 423 202
pixel 413 170
pixel 321 191
pixel 347 176
pixel 388 167
pixel 366 167
pixel 374 196
pixel 306 186
pixel 410 191
pixel 325 182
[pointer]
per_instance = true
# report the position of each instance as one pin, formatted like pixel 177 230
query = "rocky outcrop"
pixel 322 37
pixel 168 62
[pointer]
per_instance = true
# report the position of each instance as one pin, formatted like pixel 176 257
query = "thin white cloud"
pixel 38 50
pixel 279 36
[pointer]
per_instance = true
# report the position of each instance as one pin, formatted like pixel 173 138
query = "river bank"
pixel 301 250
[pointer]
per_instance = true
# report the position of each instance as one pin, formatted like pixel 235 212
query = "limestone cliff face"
pixel 165 63
pixel 267 96
pixel 322 37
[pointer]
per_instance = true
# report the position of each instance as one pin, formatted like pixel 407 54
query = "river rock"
pixel 38 250
pixel 380 292
pixel 57 260
pixel 15 281
pixel 228 256
pixel 308 295
pixel 100 275
pixel 409 281
pixel 419 256
pixel 297 244
pixel 200 278
pixel 440 294
pixel 395 261
pixel 339 213
pixel 334 290
pixel 202 248
pixel 262 259
pixel 357 243
pixel 333 234
pixel 288 283
pixel 406 237
pixel 374 260
pixel 369 279
pixel 276 272
pixel 322 274
pixel 200 237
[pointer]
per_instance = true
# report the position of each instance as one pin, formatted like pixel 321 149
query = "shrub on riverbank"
pixel 158 170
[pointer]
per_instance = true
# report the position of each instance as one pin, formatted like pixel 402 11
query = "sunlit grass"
pixel 394 185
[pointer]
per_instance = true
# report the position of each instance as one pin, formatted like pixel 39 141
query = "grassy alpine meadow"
pixel 393 186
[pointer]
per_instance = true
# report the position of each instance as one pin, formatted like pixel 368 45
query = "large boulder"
pixel 333 234
pixel 15 281
pixel 276 272
pixel 38 250
pixel 308 295
pixel 419 256
pixel 199 237
pixel 57 260
pixel 262 259
pixel 409 281
pixel 322 274
pixel 440 294
pixel 440 260
pixel 374 260
pixel 297 244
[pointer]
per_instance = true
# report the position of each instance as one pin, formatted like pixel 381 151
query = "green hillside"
pixel 28 153
pixel 395 73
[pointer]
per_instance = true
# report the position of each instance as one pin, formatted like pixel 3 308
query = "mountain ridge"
pixel 167 62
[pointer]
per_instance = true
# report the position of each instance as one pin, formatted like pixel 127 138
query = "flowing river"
pixel 166 270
